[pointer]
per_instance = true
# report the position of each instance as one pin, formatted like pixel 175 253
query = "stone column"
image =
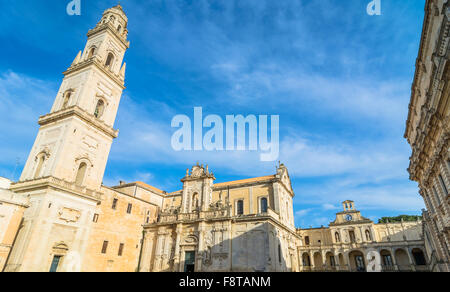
pixel 159 253
pixel 336 261
pixel 177 253
pixel 185 200
pixel 373 234
pixel 276 199
pixel 146 256
pixel 361 232
pixel 229 245
pixel 250 194
pixel 324 260
pixel 411 260
pixel 312 261
pixel 200 247
pixel 347 259
pixel 394 260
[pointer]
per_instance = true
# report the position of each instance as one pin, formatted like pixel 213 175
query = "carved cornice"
pixel 56 184
pixel 439 59
pixel 83 115
pixel 245 184
pixel 108 26
pixel 418 72
pixel 439 154
pixel 99 65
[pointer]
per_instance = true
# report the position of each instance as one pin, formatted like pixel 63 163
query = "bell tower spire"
pixel 74 139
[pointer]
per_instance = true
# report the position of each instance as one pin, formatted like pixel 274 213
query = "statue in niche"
pixel 207 260
pixel 195 202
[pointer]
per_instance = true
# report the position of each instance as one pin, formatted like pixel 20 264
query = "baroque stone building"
pixel 351 240
pixel 59 217
pixel 240 226
pixel 428 131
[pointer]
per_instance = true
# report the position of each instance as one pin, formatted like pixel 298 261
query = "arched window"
pixel 99 109
pixel 109 60
pixel 91 52
pixel 81 174
pixel 112 19
pixel 39 166
pixel 337 237
pixel 119 28
pixel 240 207
pixel 264 205
pixel 66 101
pixel 368 236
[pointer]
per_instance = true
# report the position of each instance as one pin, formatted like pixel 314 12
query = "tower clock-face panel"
pixel 349 217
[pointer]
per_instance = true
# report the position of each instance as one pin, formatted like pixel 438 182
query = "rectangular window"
pixel 306 240
pixel 436 194
pixel 240 207
pixel 430 203
pixel 114 204
pixel 443 184
pixel 121 246
pixel 279 254
pixel 105 247
pixel 129 208
pixel 95 219
pixel 264 205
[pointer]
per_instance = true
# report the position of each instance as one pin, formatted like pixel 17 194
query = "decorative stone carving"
pixel 191 239
pixel 198 171
pixel 69 215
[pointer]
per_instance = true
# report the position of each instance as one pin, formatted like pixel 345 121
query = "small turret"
pixel 348 205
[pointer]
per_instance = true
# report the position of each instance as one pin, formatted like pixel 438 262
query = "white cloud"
pixel 328 207
pixel 302 213
pixel 22 100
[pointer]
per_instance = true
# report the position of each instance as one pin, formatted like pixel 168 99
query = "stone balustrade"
pixel 58 184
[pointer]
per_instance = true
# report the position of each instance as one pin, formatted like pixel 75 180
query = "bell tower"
pixel 74 139
pixel 64 172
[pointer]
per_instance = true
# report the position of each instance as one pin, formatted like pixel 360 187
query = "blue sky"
pixel 339 79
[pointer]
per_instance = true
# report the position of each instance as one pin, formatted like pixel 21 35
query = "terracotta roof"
pixel 220 185
pixel 244 181
pixel 142 184
pixel 176 193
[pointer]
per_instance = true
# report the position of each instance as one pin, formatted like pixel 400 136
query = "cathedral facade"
pixel 240 226
pixel 59 217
